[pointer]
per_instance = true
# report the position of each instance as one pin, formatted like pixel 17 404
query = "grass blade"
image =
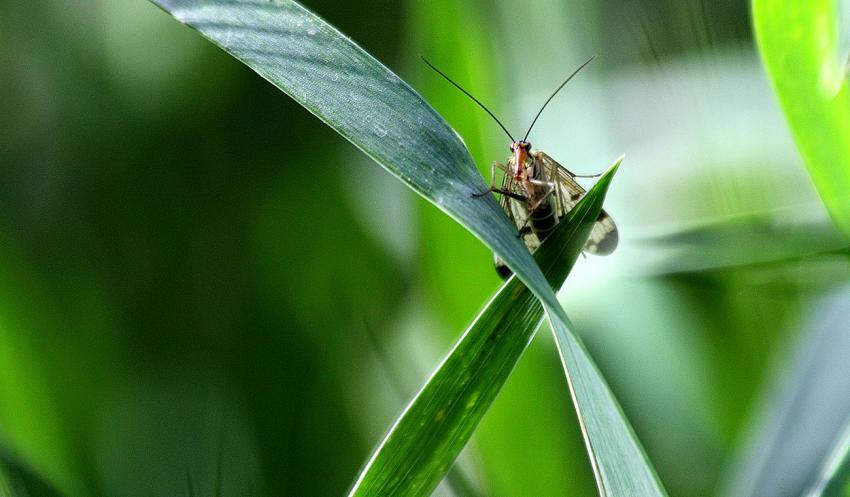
pixel 364 102
pixel 834 480
pixel 425 440
pixel 379 113
pixel 804 46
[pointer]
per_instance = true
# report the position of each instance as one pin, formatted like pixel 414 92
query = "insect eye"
pixel 528 145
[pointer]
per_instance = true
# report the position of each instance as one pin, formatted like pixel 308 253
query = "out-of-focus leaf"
pixel 803 50
pixel 379 113
pixel 425 440
pixel 17 480
pixel 834 479
pixel 806 412
pixel 742 241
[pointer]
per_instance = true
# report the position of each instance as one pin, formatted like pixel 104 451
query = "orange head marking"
pixel 520 150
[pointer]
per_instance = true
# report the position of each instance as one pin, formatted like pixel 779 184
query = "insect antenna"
pixel 441 73
pixel 553 96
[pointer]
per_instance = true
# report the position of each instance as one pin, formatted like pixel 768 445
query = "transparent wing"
pixel 517 213
pixel 504 200
pixel 516 210
pixel 567 190
pixel 603 237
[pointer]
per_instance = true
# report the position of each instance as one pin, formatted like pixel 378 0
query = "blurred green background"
pixel 202 285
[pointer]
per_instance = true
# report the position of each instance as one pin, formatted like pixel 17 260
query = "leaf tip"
pixel 614 167
pixel 617 162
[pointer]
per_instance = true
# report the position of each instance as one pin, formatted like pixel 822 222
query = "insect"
pixel 537 192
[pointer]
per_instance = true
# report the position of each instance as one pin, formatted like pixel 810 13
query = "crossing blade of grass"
pixel 805 48
pixel 427 437
pixel 379 113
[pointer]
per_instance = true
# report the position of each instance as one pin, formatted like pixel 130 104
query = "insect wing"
pixel 603 236
pixel 517 211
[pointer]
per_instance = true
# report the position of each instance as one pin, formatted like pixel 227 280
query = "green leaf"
pixel 834 479
pixel 17 480
pixel 379 113
pixel 425 440
pixel 805 52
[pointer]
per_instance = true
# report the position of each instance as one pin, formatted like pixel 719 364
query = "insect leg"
pixel 574 175
pixel 500 191
pixel 493 188
pixel 533 208
pixel 550 184
pixel 540 202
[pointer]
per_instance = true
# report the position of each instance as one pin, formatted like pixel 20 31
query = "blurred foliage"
pixel 802 427
pixel 17 480
pixel 806 50
pixel 167 256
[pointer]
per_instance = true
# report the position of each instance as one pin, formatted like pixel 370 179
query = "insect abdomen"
pixel 543 220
